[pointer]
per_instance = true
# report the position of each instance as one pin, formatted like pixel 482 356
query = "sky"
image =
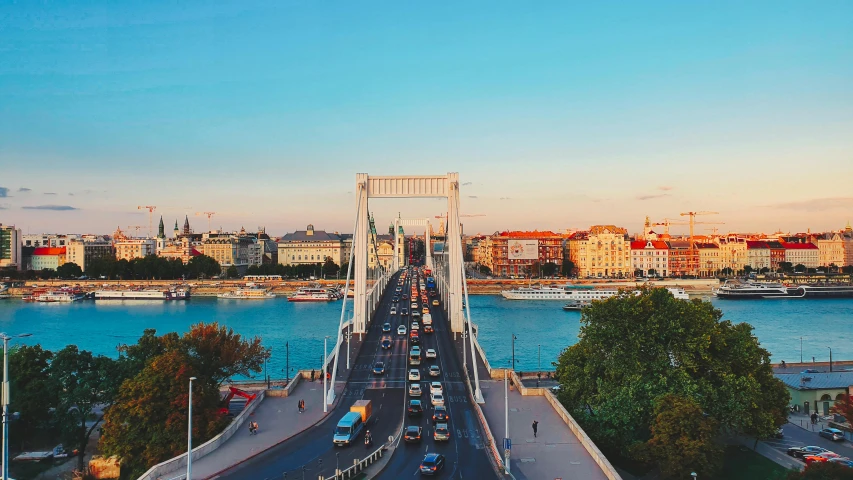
pixel 557 115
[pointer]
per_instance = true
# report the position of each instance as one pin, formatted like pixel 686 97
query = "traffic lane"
pixel 795 436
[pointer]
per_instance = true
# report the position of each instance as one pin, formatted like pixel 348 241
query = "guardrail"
pixel 169 466
pixel 358 465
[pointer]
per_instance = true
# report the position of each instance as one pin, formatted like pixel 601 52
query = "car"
pixel 821 457
pixel 440 414
pixel 436 399
pixel 386 344
pixel 401 330
pixel 441 433
pixel 414 375
pixel 428 329
pixel 414 305
pixel 379 368
pixel 386 327
pixel 415 350
pixel 415 390
pixel 395 299
pixel 430 353
pixel 416 326
pixel 833 434
pixel 416 315
pixel 800 452
pixel 435 303
pixel 393 310
pixel 415 408
pixel 414 339
pixel 810 370
pixel 432 464
pixel 843 461
pixel 434 371
pixel 425 310
pixel 398 289
pixel 435 387
pixel 404 311
pixel 413 434
pixel 405 297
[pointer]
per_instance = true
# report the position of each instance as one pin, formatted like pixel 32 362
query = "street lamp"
pixel 6 397
pixel 830 358
pixel 513 351
pixel 190 433
pixel 506 418
pixel 325 355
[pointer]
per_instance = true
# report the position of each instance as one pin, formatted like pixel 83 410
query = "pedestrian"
pixel 251 428
pixel 784 365
pixel 255 427
pixel 312 375
pixel 535 428
pixel 301 406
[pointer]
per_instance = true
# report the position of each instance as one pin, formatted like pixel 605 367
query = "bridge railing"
pixel 358 465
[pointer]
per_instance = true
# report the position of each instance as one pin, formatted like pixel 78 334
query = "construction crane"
pixel 693 221
pixel 666 223
pixel 150 209
pixel 208 214
pixel 469 215
pixel 136 228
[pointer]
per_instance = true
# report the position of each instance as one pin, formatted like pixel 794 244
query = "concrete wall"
pixel 587 443
pixel 285 392
pixel 172 465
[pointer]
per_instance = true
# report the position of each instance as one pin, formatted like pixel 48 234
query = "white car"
pixel 416 326
pixel 430 353
pixel 414 306
pixel 414 375
pixel 436 388
pixel 434 371
pixel 401 330
pixel 415 390
pixel 437 399
pixel 393 310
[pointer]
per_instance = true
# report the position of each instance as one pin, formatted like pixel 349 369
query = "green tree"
pixel 747 269
pixel 785 267
pixel 148 423
pixel 848 269
pixel 83 381
pixel 203 266
pixel 33 391
pixel 550 269
pixel 69 270
pixel 682 440
pixel 634 349
pixel 822 471
pixel 764 270
pixel 799 268
pixel 232 272
pixel 330 268
pixel 568 268
pixel 727 271
pixel 652 272
pixel 218 353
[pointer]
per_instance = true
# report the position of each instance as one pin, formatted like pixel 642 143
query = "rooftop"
pixel 799 246
pixel 817 381
pixel 49 251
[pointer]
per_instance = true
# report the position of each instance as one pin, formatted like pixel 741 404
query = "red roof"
pixel 656 244
pixel 755 244
pixel 49 251
pixel 533 234
pixel 799 246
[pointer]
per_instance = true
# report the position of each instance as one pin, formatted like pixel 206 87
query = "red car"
pixel 820 458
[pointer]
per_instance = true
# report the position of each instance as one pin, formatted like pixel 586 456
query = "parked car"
pixel 800 452
pixel 432 464
pixel 833 434
pixel 413 434
pixel 842 460
pixel 820 458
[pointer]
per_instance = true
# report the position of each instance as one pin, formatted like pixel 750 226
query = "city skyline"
pixel 556 116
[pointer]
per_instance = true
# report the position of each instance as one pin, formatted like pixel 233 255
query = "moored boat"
pixel 247 294
pixel 146 294
pixel 572 293
pixel 313 294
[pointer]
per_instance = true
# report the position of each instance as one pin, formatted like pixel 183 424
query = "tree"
pixel 848 269
pixel 33 391
pixel 638 272
pixel 844 407
pixel 484 269
pixel 800 268
pixel 148 423
pixel 727 271
pixel 786 267
pixel 232 272
pixel 634 349
pixel 330 268
pixel 218 353
pixel 203 266
pixel 69 270
pixel 764 270
pixel 550 269
pixel 747 269
pixel 682 439
pixel 83 382
pixel 568 268
pixel 652 272
pixel 822 471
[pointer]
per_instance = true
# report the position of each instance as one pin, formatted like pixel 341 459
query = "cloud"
pixel 652 197
pixel 467 183
pixel 816 204
pixel 665 188
pixel 472 196
pixel 504 198
pixel 49 193
pixel 25 189
pixel 70 194
pixel 4 192
pixel 58 208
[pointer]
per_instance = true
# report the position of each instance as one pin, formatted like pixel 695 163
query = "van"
pixel 348 429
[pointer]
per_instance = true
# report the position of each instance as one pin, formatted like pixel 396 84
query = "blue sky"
pixel 558 114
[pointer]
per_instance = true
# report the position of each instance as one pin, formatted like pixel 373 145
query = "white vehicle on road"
pixel 437 399
pixel 401 330
pixel 414 375
pixel 436 388
pixel 430 353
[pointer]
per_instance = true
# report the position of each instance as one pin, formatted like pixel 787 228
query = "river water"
pixel 102 326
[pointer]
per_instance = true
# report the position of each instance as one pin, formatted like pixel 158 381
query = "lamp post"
pixel 266 376
pixel 325 348
pixel 513 351
pixel 830 358
pixel 287 364
pixel 506 418
pixel 6 397
pixel 801 349
pixel 190 433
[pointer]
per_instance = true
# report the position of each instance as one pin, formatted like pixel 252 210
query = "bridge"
pixel 383 301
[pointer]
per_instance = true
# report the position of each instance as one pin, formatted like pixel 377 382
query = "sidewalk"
pixel 555 453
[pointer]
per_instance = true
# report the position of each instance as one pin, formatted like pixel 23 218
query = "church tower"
pixel 177 232
pixel 161 230
pixel 187 226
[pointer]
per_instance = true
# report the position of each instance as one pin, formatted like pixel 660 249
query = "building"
pixel 45 240
pixel 830 249
pixel 777 254
pixel 847 238
pixel 263 250
pixel 49 258
pixel 802 253
pixel 227 248
pixel 309 246
pixel 816 391
pixel 518 253
pixel 733 253
pixel 650 257
pixel 10 247
pixel 130 248
pixel 604 251
pixel 683 258
pixel 709 259
pixel 181 249
pixel 82 251
pixel 757 255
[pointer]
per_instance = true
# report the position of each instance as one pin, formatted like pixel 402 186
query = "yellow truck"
pixel 363 407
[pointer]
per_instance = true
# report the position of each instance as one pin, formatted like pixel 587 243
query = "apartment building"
pixel 650 257
pixel 10 247
pixel 709 259
pixel 757 255
pixel 130 248
pixel 802 253
pixel 49 258
pixel 604 251
pixel 515 253
pixel 830 249
pixel 83 251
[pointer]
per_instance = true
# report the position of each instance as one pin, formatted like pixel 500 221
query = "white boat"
pixel 149 294
pixel 59 296
pixel 4 291
pixel 313 294
pixel 584 299
pixel 753 290
pixel 571 292
pixel 247 294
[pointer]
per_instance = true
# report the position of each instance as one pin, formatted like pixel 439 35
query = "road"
pixel 796 436
pixel 312 453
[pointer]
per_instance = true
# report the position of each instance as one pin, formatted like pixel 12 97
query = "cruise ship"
pixel 314 294
pixel 150 294
pixel 247 294
pixel 585 298
pixel 762 290
pixel 572 293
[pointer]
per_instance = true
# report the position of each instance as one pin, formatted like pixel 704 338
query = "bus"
pixel 262 278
